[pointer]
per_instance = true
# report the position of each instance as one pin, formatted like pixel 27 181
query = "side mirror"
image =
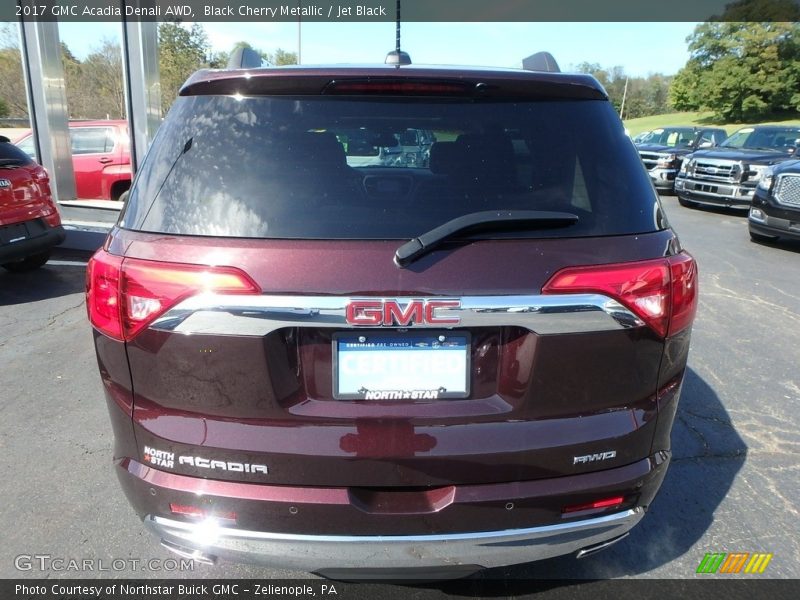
pixel 706 145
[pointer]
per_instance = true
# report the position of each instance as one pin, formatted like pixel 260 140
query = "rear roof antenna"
pixel 397 57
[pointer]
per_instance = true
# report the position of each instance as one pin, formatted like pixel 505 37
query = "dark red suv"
pixel 466 364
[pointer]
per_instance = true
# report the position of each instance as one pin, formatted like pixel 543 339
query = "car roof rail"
pixel 245 58
pixel 541 61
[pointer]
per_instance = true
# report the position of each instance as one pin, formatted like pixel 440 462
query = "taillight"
pixel 102 293
pixel 661 292
pixel 123 296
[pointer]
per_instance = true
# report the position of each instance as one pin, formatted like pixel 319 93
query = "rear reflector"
pixel 604 503
pixel 123 296
pixel 201 513
pixel 661 292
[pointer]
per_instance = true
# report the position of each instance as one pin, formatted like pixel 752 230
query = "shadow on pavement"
pixel 707 455
pixel 50 281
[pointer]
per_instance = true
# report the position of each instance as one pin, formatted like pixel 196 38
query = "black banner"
pixel 412 10
pixel 740 588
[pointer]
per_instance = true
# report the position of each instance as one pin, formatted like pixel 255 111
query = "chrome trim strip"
pixel 216 314
pixel 314 552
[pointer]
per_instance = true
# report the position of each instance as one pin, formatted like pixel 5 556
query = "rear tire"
pixel 686 203
pixel 30 263
pixel 759 238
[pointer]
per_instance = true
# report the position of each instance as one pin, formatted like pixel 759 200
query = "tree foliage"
pixel 277 58
pixel 645 95
pixel 181 52
pixel 740 71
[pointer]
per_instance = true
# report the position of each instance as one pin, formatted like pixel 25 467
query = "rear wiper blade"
pixel 490 219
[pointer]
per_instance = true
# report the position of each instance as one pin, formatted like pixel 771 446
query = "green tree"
pixel 3 108
pixel 740 71
pixel 101 74
pixel 181 52
pixel 282 57
pixel 78 97
pixel 277 58
pixel 645 95
pixel 13 91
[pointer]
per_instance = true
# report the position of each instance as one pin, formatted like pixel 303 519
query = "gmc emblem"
pixel 389 313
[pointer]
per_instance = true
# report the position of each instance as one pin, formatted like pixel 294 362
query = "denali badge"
pixel 594 457
pixel 390 313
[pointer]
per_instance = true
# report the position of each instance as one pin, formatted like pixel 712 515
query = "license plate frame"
pixel 406 342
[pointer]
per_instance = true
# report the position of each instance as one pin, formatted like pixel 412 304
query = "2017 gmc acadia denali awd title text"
pixel 326 365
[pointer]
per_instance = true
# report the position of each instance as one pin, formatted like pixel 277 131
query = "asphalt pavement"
pixel 733 486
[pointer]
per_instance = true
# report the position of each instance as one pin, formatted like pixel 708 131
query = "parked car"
pixel 416 144
pixel 101 158
pixel 728 174
pixel 775 210
pixel 29 222
pixel 327 367
pixel 663 150
pixel 408 147
pixel 636 139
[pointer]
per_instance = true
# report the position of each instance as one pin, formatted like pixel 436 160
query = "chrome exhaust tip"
pixel 195 555
pixel 589 550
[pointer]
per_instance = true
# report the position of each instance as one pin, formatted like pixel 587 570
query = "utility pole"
pixel 624 94
pixel 299 33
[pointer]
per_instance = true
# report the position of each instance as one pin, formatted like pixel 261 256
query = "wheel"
pixel 29 263
pixel 760 238
pixel 686 203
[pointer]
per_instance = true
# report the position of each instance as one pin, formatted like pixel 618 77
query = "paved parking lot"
pixel 733 486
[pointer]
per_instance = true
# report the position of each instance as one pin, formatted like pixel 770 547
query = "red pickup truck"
pixel 101 158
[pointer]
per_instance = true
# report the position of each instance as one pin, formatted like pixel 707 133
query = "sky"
pixel 640 48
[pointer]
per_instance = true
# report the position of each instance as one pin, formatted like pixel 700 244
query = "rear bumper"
pixel 484 540
pixel 320 552
pixel 30 246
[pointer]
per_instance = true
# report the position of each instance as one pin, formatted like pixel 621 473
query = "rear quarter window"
pixel 338 168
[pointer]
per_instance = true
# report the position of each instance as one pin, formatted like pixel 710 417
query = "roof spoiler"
pixel 245 58
pixel 541 61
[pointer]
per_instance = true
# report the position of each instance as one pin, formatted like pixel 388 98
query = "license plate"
pixel 397 366
pixel 13 233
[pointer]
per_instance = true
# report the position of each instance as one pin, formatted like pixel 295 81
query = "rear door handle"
pixel 105 160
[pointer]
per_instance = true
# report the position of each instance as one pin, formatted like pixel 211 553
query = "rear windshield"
pixel 386 168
